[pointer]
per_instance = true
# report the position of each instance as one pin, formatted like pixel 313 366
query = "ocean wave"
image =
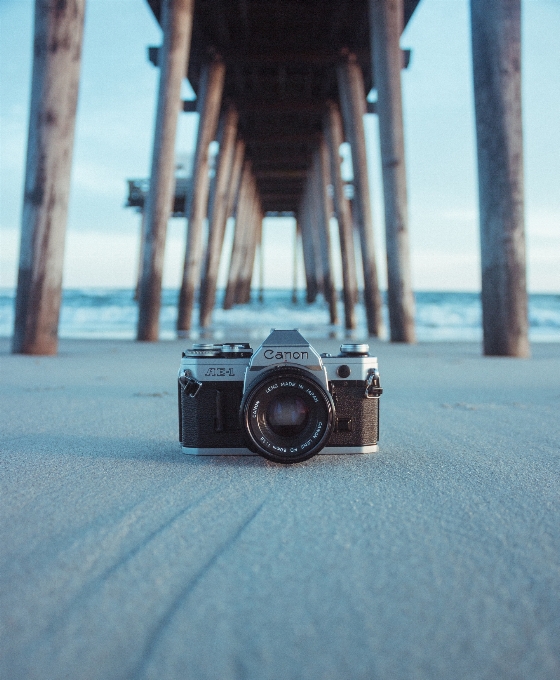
pixel 113 313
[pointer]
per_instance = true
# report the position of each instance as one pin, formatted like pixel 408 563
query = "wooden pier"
pixel 54 98
pixel 281 84
pixel 297 75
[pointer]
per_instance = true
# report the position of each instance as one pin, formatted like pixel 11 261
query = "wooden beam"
pixel 141 249
pixel 244 208
pixel 218 214
pixel 280 60
pixel 280 174
pixel 496 52
pixel 284 139
pixel 312 223
pixel 309 260
pixel 278 107
pixel 334 138
pixel 323 206
pixel 353 105
pixel 297 237
pixel 328 57
pixel 297 162
pixel 261 261
pixel 270 186
pixel 275 177
pixel 280 196
pixel 246 234
pixel 210 98
pixel 386 23
pixel 236 173
pixel 54 95
pixel 254 244
pixel 252 239
pixel 177 24
pixel 309 265
pixel 270 127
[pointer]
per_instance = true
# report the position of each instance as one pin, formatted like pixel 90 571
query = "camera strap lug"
pixel 373 390
pixel 190 385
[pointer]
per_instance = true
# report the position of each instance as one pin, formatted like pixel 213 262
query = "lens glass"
pixel 287 415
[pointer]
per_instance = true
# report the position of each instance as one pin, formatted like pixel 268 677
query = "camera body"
pixel 284 401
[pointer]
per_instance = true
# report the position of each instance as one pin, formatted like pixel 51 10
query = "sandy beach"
pixel 437 558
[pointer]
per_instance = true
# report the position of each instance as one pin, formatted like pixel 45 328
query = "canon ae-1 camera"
pixel 285 401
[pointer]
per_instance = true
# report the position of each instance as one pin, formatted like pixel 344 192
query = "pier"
pixel 284 84
pixel 434 558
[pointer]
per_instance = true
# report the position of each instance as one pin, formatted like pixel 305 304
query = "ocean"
pixel 440 316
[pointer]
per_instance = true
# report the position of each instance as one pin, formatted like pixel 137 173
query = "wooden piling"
pixel 218 214
pixel 256 259
pixel 312 274
pixel 312 207
pixel 334 138
pixel 252 237
pixel 297 237
pixel 210 99
pixel 308 257
pixel 257 244
pixel 176 23
pixel 141 248
pixel 321 180
pixel 496 53
pixel 244 206
pixel 245 266
pixel 236 173
pixel 261 262
pixel 54 95
pixel 353 106
pixel 386 22
pixel 245 234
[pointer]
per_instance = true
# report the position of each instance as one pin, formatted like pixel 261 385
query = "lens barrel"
pixel 287 416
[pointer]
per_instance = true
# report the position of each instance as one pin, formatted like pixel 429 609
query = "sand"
pixel 438 557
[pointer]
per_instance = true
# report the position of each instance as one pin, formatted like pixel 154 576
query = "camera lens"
pixel 287 415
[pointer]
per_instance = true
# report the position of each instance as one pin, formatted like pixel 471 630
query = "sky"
pixel 114 130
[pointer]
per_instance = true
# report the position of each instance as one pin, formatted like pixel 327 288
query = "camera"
pixel 285 401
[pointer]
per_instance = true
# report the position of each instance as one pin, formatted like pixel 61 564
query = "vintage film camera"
pixel 284 402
